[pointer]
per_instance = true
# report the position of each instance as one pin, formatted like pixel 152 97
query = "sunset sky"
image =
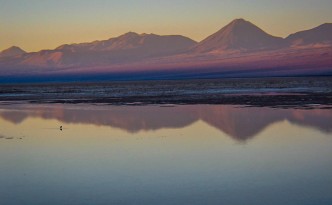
pixel 44 24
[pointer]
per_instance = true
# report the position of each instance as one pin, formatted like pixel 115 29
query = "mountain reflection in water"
pixel 241 123
pixel 188 154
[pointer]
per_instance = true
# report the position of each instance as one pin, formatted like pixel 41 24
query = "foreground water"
pixel 189 154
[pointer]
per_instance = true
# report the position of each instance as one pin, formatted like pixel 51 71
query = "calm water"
pixel 199 154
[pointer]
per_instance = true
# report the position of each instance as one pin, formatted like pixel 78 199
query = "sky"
pixel 34 25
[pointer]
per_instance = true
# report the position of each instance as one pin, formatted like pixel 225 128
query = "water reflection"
pixel 240 123
pixel 164 155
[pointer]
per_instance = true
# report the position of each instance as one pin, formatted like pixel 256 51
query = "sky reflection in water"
pixel 200 154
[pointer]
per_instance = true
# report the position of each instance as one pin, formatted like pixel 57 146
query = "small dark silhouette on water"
pixel 61 128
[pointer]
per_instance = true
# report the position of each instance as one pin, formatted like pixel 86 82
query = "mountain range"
pixel 240 49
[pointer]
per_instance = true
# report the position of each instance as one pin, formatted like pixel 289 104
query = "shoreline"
pixel 277 100
pixel 266 92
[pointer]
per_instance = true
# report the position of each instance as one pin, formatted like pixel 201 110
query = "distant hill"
pixel 319 35
pixel 239 35
pixel 12 51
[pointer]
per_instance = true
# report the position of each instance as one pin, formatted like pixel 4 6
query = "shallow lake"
pixel 189 154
